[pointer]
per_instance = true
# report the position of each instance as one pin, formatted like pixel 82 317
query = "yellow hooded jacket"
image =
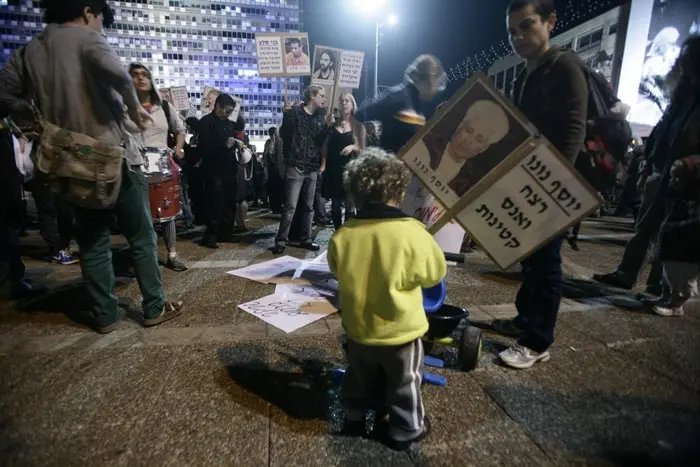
pixel 382 260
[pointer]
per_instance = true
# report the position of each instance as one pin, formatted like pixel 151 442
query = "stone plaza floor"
pixel 219 387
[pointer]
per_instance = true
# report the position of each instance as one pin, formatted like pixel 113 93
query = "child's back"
pixel 382 260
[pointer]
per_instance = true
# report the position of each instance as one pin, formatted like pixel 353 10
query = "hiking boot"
pixel 278 249
pixel 311 246
pixel 521 357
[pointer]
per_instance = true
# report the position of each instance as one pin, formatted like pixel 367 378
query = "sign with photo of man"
pixel 325 65
pixel 471 156
pixel 209 96
pixel 283 54
pixel 470 136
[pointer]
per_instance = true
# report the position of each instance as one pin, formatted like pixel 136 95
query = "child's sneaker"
pixel 381 433
pixel 64 257
pixel 668 310
pixel 521 357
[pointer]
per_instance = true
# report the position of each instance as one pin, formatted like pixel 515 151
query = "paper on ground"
pixel 290 307
pixel 288 270
pixel 277 270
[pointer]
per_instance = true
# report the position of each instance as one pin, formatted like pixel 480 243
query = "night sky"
pixel 450 29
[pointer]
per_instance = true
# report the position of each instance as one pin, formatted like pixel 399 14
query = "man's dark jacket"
pixel 554 97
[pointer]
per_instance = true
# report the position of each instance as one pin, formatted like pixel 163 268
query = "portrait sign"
pixel 180 98
pixel 350 71
pixel 495 175
pixel 166 95
pixel 283 54
pixel 533 201
pixel 469 137
pixel 209 96
pixel 326 60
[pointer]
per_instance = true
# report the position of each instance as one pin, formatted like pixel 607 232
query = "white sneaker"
pixel 521 357
pixel 668 310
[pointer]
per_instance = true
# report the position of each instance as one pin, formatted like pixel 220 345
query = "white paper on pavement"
pixel 290 307
pixel 270 272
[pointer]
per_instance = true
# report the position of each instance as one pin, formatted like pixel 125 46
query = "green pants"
pixel 93 235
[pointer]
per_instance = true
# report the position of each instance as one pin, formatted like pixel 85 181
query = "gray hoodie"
pixel 77 80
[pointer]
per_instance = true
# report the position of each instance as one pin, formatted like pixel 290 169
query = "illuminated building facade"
pixel 193 43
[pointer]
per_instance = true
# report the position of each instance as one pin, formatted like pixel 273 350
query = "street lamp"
pixel 376 10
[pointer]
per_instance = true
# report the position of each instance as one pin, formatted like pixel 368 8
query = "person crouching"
pixel 383 259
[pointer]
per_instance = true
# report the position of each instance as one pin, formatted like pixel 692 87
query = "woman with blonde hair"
pixel 345 140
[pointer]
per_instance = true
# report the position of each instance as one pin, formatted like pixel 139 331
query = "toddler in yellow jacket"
pixel 383 259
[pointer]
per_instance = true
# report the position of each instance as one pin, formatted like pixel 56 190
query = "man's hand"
pixel 141 117
pixel 230 142
pixel 179 153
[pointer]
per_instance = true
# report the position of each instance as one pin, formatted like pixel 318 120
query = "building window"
pixel 613 29
pixel 590 40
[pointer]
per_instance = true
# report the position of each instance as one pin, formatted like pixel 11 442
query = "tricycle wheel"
pixel 470 348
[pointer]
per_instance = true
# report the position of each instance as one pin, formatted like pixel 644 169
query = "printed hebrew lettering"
pixel 514 211
pixel 522 220
pixel 493 221
pixel 534 200
pixel 545 176
pixel 532 161
pixel 505 234
pixel 513 243
pixel 485 210
pixel 500 226
pixel 488 218
pixel 556 184
pixel 544 207
pixel 564 195
pixel 507 203
pixel 526 188
pixel 578 206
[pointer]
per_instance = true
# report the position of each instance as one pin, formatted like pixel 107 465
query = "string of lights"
pixel 573 13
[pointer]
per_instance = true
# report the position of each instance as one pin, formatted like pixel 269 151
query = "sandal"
pixel 170 311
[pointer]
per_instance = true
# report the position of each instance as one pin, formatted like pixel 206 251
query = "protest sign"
pixel 326 61
pixel 209 96
pixel 165 94
pixel 180 98
pixel 423 206
pixel 350 70
pixel 533 201
pixel 470 157
pixel 283 54
pixel 290 308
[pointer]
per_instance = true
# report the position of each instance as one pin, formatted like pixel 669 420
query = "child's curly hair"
pixel 376 177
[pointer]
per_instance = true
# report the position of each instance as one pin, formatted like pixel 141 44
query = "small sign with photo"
pixel 326 61
pixel 283 54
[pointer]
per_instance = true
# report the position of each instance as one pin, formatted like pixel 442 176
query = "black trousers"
pixel 221 195
pixel 275 189
pixel 55 215
pixel 11 265
pixel 539 296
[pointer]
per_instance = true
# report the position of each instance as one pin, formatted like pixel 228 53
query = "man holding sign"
pixel 552 93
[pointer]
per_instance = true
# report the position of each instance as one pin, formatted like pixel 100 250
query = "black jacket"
pixel 385 109
pixel 302 138
pixel 10 181
pixel 217 159
pixel 554 97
